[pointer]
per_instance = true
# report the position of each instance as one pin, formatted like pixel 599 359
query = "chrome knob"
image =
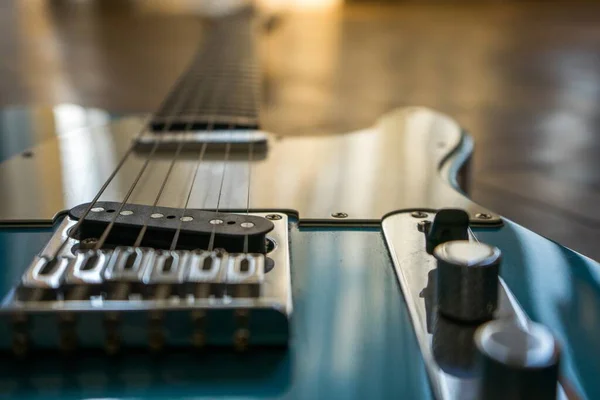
pixel 515 363
pixel 467 280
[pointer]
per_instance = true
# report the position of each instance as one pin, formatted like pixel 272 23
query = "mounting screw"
pixel 274 217
pixel 97 209
pixel 126 212
pixel 418 214
pixel 483 216
pixel 216 221
pixel 339 215
pixel 247 224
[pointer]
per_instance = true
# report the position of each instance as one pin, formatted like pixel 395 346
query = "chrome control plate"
pixel 124 297
pixel 447 346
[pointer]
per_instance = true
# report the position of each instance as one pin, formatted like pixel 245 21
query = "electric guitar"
pixel 189 254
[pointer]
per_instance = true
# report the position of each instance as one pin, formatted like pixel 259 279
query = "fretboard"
pixel 220 88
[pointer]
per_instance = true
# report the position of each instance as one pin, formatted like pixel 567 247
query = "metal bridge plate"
pixel 120 298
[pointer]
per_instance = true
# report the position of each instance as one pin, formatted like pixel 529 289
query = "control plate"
pixel 447 346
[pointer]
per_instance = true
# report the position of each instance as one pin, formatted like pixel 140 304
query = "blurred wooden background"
pixel 523 78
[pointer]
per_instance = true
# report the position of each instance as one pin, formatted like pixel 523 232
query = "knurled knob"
pixel 467 280
pixel 515 363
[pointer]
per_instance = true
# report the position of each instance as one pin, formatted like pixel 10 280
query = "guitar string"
pixel 201 154
pixel 211 241
pixel 473 235
pixel 213 233
pixel 188 127
pixel 142 170
pixel 199 160
pixel 224 163
pixel 255 103
pixel 170 119
pixel 114 173
pixel 249 167
pixel 140 238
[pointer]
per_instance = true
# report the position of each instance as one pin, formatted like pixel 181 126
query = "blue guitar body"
pixel 351 332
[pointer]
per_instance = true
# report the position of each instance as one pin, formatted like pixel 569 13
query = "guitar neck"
pixel 220 88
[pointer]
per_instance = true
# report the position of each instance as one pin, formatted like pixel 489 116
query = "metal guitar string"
pixel 255 102
pixel 473 234
pixel 187 200
pixel 107 230
pixel 102 189
pixel 250 156
pixel 188 128
pixel 227 150
pixel 114 173
pixel 213 113
pixel 169 121
pixel 224 162
pixel 178 231
pixel 142 232
pixel 210 128
pixel 168 124
pixel 211 242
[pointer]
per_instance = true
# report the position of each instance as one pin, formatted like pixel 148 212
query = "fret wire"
pixel 224 66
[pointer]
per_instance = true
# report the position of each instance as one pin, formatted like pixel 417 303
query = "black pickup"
pixel 230 231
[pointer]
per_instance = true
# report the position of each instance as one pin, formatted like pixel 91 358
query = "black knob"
pixel 515 363
pixel 467 280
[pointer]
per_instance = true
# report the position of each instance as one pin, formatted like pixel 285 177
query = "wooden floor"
pixel 524 79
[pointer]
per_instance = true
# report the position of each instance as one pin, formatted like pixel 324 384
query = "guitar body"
pixel 352 331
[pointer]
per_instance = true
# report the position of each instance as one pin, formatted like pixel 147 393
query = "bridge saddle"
pixel 120 297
